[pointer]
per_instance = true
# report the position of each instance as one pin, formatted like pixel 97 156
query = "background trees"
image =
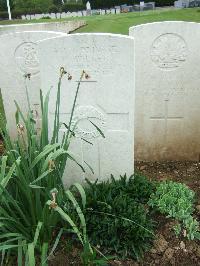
pixel 20 7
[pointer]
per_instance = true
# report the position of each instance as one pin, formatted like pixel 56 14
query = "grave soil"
pixel 167 249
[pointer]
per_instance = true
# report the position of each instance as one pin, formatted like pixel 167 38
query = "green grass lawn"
pixel 121 23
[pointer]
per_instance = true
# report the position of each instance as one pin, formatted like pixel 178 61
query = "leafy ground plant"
pixel 32 193
pixel 176 200
pixel 117 218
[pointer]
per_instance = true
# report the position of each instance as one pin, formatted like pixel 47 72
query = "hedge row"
pixel 52 9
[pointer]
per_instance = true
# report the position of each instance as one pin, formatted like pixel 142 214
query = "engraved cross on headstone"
pixel 166 117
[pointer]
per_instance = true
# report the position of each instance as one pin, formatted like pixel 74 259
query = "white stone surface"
pixel 62 15
pixel 80 14
pixel 38 16
pixel 69 14
pixel 64 26
pixel 167 115
pixel 118 11
pixel 53 15
pixel 19 56
pixel 107 99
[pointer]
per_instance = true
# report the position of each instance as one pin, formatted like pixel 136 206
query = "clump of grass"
pixel 32 193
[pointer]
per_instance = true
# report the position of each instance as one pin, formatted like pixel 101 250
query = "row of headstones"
pixel 141 7
pixel 71 14
pixel 159 67
pixel 186 3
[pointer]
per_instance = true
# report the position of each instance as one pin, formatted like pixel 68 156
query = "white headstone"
pixel 62 15
pixel 118 11
pixel 53 15
pixel 88 6
pixel 74 14
pixel 107 99
pixel 19 56
pixel 113 11
pixel 167 115
pixel 80 14
pixel 37 16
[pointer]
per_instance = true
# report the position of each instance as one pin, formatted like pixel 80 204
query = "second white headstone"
pixel 107 99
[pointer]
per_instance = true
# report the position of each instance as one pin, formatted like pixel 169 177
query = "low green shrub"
pixel 117 220
pixel 137 187
pixel 176 200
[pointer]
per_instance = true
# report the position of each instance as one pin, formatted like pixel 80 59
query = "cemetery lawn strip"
pixel 120 23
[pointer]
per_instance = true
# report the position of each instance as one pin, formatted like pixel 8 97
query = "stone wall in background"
pixel 65 26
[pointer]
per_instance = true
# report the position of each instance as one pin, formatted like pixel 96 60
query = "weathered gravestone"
pixel 19 56
pixel 167 115
pixel 107 99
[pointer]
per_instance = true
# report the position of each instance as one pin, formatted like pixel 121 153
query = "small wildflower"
pixel 20 129
pixel 28 75
pixel 86 75
pixel 51 165
pixel 53 202
pixel 69 77
pixel 62 72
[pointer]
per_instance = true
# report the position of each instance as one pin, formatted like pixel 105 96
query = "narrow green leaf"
pixel 31 254
pixel 56 243
pixel 46 151
pixel 41 177
pixel 19 253
pixel 44 254
pixel 73 159
pixel 3 166
pixel 82 193
pixel 91 169
pixel 37 232
pixel 98 129
pixel 68 219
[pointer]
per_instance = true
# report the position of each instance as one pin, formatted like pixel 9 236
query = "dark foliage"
pixel 72 7
pixel 117 218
